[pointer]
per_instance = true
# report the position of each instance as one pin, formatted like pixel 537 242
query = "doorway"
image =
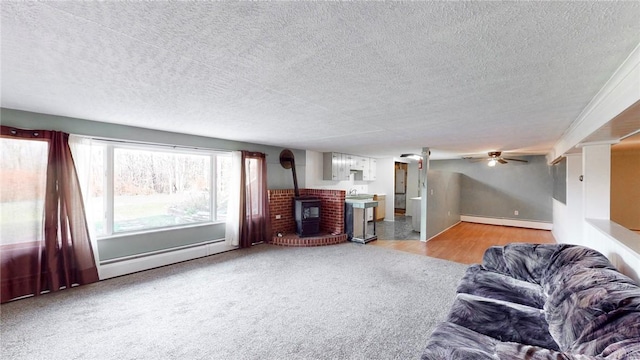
pixel 400 185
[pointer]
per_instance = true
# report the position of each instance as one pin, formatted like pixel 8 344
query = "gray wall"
pixel 128 245
pixel 277 177
pixel 443 205
pixel 496 192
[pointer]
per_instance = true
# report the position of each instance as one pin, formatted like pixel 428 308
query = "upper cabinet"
pixel 338 167
pixel 334 167
pixel 370 170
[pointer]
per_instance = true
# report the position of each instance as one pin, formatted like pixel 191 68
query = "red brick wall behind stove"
pixel 331 213
pixel 281 203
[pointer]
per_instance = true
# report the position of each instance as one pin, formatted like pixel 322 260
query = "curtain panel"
pixel 232 226
pixel 254 201
pixel 61 256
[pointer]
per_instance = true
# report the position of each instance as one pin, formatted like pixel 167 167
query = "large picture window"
pixel 136 188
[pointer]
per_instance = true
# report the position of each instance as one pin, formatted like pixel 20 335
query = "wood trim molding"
pixel 540 225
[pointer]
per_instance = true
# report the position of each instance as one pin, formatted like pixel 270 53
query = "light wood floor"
pixel 466 242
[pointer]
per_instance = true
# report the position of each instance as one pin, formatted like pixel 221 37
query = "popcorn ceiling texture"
pixel 371 78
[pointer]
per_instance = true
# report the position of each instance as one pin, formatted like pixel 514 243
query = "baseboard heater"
pixel 140 262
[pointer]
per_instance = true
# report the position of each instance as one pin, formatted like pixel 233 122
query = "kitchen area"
pixel 364 185
pixel 380 187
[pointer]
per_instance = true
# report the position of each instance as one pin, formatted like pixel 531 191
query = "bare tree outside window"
pixel 159 189
pixel 22 189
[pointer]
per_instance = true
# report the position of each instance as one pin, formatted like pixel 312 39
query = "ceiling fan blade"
pixel 473 159
pixel 501 161
pixel 510 159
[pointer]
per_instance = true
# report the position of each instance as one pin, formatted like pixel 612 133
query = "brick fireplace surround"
pixel 331 217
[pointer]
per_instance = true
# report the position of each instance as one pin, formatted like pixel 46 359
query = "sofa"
pixel 541 301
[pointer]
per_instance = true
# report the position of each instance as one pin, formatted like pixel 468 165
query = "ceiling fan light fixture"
pixel 412 156
pixel 492 162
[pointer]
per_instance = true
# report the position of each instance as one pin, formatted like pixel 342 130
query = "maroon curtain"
pixel 64 257
pixel 254 203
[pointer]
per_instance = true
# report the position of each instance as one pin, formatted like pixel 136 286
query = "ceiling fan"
pixel 495 157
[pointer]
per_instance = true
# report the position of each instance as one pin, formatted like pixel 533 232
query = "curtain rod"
pixel 133 142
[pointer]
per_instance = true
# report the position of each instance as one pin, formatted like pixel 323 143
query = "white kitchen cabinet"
pixel 365 170
pixel 348 162
pixel 338 167
pixel 373 168
pixel 369 171
pixel 359 163
pixel 335 167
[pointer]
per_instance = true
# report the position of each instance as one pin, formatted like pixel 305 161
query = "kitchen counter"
pixel 362 203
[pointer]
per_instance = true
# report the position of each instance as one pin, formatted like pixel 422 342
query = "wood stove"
pixel 306 210
pixel 307 215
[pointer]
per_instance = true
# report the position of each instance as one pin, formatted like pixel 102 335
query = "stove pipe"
pixel 288 161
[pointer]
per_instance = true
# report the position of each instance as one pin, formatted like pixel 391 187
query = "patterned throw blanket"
pixel 551 301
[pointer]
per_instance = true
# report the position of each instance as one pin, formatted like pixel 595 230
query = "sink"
pixel 359 197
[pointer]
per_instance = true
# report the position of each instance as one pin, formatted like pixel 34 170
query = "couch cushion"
pixel 493 260
pixel 611 332
pixel 454 342
pixel 502 320
pixel 523 261
pixel 623 350
pixel 581 295
pixel 482 282
pixel 565 259
pixel 529 262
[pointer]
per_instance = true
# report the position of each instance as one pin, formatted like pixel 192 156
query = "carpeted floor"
pixel 345 301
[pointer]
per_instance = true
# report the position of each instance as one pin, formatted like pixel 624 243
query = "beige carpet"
pixel 345 301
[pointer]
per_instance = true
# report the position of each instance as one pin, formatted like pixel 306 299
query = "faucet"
pixel 353 191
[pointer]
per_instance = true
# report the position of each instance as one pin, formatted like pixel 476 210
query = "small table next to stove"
pixel 355 220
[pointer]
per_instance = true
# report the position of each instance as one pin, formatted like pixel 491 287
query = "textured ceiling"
pixel 367 78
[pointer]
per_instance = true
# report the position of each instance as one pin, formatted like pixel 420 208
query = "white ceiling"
pixel 366 78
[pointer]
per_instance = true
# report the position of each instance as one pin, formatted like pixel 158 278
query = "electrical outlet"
pixel 431 191
pixel 516 213
pixel 448 213
pixel 278 217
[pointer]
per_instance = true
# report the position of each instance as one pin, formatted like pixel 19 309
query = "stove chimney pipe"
pixel 288 161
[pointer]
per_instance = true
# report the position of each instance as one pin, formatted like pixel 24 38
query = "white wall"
pixel 572 226
pixel 620 245
pixel 384 184
pixel 567 218
pixel 584 220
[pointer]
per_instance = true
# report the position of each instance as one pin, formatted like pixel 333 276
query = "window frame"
pixel 109 147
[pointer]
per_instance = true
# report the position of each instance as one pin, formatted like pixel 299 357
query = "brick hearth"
pixel 331 217
pixel 320 240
